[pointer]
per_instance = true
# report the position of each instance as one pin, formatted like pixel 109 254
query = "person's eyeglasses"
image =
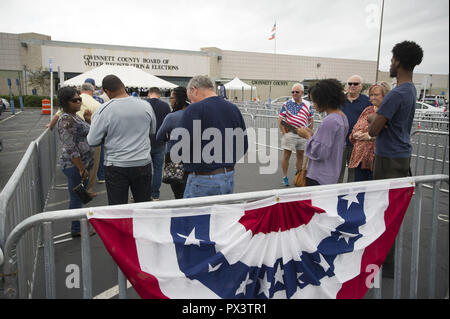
pixel 75 100
pixel 295 92
pixel 353 83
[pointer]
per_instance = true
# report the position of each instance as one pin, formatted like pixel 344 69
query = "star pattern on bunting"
pixel 199 260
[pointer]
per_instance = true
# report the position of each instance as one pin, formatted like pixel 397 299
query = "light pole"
pixel 379 40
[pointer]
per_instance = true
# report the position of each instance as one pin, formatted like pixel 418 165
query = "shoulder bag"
pixel 300 176
pixel 173 172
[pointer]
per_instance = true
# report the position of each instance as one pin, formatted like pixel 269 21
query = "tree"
pixel 40 79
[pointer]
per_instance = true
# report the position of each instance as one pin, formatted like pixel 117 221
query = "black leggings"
pixel 177 187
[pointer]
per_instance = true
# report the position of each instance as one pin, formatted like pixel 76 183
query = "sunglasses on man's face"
pixel 353 83
pixel 76 100
pixel 295 92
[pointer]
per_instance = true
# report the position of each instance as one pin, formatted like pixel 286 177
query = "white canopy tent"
pixel 237 84
pixel 130 76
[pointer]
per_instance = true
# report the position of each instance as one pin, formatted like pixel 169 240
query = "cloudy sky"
pixel 325 28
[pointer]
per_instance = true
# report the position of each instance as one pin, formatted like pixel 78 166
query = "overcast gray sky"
pixel 325 28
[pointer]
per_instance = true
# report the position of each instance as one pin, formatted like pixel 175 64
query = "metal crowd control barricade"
pixel 432 124
pixel 248 119
pixel 25 194
pixel 45 220
pixel 430 154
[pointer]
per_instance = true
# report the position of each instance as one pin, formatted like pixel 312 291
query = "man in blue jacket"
pixel 216 140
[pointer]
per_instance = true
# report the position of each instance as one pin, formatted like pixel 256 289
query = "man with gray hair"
pixel 217 139
pixel 88 103
pixel 298 113
pixel 354 106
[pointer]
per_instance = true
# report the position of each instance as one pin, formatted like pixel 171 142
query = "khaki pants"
pixel 93 172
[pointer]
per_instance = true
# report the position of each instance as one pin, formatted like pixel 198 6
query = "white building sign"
pixel 80 60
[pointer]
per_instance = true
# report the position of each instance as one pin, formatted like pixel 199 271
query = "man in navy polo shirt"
pixel 355 105
pixel 216 140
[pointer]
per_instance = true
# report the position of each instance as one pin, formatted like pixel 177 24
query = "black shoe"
pixel 388 270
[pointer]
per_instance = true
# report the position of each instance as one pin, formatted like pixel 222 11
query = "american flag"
pixel 317 244
pixel 297 115
pixel 274 29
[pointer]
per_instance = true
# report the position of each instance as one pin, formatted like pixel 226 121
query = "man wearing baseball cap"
pixel 96 97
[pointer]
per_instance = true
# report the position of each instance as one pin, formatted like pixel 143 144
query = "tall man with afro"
pixel 393 121
pixel 392 124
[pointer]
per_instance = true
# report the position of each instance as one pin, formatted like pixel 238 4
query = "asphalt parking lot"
pixel 17 132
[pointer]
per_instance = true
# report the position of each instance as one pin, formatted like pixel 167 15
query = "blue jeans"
pixel 73 179
pixel 157 154
pixel 209 185
pixel 101 170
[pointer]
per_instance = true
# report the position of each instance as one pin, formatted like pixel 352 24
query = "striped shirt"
pixel 296 114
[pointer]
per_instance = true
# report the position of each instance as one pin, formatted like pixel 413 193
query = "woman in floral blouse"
pixel 363 144
pixel 77 157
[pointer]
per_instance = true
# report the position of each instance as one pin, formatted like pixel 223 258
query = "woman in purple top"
pixel 325 147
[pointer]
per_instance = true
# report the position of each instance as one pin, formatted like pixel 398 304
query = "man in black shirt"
pixel 161 109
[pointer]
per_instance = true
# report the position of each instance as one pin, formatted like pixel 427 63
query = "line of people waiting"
pixel 134 161
pixel 369 135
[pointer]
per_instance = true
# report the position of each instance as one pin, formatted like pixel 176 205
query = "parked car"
pixel 436 100
pixel 283 99
pixel 427 109
pixel 5 104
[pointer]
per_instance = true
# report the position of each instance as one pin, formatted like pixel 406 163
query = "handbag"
pixel 173 172
pixel 82 193
pixel 300 176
